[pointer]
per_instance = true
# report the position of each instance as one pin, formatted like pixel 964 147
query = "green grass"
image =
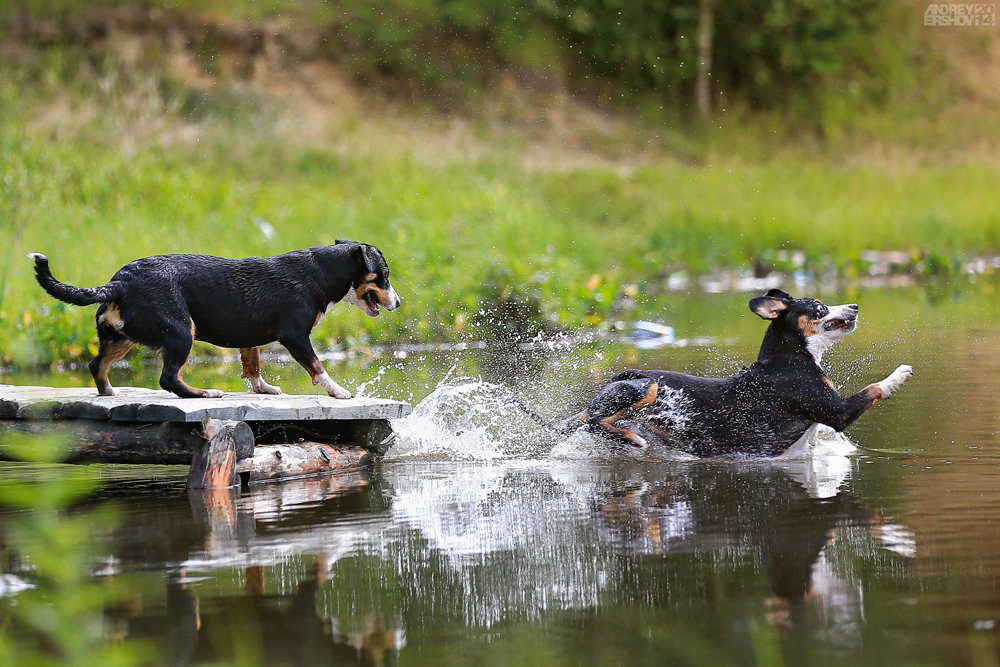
pixel 95 179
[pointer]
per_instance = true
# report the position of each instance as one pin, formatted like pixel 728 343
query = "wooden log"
pixel 91 441
pixel 214 464
pixel 274 462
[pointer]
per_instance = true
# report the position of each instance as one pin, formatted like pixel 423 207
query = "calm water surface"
pixel 481 541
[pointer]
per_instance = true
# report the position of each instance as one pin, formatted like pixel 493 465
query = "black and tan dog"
pixel 166 302
pixel 770 408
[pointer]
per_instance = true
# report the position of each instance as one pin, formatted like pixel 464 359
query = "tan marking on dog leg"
pixel 608 424
pixel 638 406
pixel 874 394
pixel 112 316
pixel 109 353
pixel 250 358
pixel 829 382
pixel 648 399
pixel 315 369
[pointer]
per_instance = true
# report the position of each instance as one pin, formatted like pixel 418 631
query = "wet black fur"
pixel 762 410
pixel 238 303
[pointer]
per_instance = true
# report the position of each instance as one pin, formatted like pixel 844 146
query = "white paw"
pixel 213 393
pixel 261 387
pixel 896 379
pixel 332 388
pixel 339 392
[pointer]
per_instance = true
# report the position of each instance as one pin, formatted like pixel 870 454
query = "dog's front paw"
pixel 340 392
pixel 212 393
pixel 261 387
pixel 896 379
pixel 332 388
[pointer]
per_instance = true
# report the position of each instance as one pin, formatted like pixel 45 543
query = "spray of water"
pixel 468 419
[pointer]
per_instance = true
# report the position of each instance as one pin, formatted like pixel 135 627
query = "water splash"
pixel 468 419
pixel 375 383
pixel 671 410
pixel 824 465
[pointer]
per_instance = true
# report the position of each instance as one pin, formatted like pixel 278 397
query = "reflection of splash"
pixel 477 508
pixel 504 540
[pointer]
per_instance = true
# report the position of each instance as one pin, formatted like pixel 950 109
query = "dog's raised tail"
pixel 78 296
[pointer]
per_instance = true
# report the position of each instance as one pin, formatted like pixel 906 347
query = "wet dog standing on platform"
pixel 166 302
pixel 769 408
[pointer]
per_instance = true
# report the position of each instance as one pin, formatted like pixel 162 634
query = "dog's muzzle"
pixel 393 300
pixel 846 319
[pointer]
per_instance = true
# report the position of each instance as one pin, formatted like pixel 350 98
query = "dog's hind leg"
pixel 250 358
pixel 302 351
pixel 113 346
pixel 620 400
pixel 175 350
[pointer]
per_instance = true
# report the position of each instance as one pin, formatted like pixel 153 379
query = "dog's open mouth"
pixel 840 325
pixel 370 302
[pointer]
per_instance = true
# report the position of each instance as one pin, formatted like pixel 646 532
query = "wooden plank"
pixel 154 405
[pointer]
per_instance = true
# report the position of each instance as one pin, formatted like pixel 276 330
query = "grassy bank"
pixel 547 219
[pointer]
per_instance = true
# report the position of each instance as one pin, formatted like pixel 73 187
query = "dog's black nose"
pixel 853 306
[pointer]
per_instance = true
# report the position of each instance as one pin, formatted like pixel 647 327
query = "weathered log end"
pixel 214 464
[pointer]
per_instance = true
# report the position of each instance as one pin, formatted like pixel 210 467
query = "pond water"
pixel 480 540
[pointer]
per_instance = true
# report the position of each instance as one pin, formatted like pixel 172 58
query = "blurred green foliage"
pixel 59 618
pixel 766 53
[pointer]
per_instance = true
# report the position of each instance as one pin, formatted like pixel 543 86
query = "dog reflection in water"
pixel 767 514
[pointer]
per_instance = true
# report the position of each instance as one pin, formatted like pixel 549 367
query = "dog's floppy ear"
pixel 364 254
pixel 770 305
